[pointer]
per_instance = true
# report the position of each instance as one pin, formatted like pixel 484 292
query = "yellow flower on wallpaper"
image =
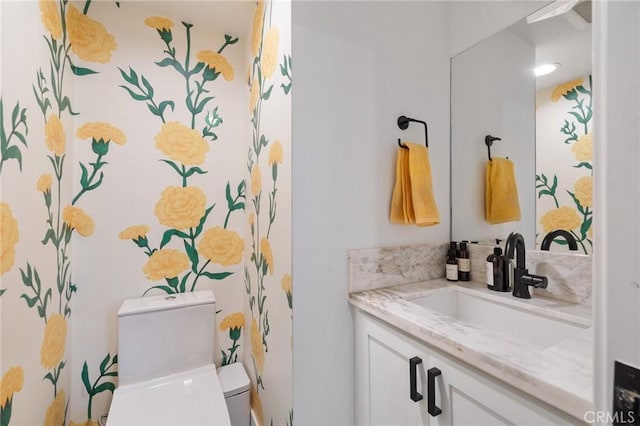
pixel 235 320
pixel 269 58
pixel 134 232
pixel 181 143
pixel 564 88
pixel 50 15
pixel 55 412
pixel 11 383
pixel 77 219
pixel 275 153
pixel 165 263
pixel 256 34
pixel 584 191
pixel 265 247
pixel 256 180
pixel 254 94
pixel 286 283
pixel 53 342
pixel 583 148
pixel 89 39
pixel 256 405
pixel 561 218
pixel 216 61
pixel 9 235
pixel 181 207
pixel 54 135
pixel 221 246
pixel 256 346
pixel 160 23
pixel 44 183
pixel 100 131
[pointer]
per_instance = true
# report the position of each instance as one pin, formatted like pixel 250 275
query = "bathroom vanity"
pixel 478 357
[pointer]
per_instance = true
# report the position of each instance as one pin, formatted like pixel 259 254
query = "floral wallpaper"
pixel 267 271
pixel 131 154
pixel 564 180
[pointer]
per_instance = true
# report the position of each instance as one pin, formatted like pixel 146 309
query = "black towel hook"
pixel 403 124
pixel 488 140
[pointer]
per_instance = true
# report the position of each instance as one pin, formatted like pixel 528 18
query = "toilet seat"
pixel 192 397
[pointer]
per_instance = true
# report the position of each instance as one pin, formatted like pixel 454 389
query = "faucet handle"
pixel 537 281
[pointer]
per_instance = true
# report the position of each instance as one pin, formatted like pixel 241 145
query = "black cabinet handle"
pixel 413 391
pixel 432 409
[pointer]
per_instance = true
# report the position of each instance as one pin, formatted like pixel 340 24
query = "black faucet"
pixel 521 277
pixel 548 239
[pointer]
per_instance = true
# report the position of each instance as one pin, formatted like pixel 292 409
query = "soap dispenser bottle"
pixel 497 270
pixel 464 263
pixel 451 266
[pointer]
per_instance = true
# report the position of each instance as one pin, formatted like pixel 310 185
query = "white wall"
pixel 475 20
pixel 493 92
pixel 357 68
pixel 617 229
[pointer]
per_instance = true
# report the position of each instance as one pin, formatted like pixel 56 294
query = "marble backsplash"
pixel 370 269
pixel 570 275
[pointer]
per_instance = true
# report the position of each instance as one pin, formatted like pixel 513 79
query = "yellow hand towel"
pixel 501 192
pixel 412 201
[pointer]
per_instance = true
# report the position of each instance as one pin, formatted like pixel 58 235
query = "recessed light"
pixel 546 69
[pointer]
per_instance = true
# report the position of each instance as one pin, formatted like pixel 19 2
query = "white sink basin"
pixel 489 312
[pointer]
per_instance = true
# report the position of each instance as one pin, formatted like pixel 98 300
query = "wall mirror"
pixel 544 126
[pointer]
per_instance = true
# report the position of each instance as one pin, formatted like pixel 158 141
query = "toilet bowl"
pixel 165 361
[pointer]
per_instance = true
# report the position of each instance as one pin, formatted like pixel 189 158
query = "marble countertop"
pixel 560 375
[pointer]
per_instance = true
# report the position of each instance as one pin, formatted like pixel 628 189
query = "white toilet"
pixel 165 366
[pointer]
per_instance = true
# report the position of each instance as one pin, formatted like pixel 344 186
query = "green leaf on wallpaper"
pixel 49 236
pixel 585 165
pixel 173 282
pixel 578 117
pixel 104 362
pixel 134 95
pixel 216 275
pixel 173 165
pixel 148 86
pixel 585 227
pixel 66 104
pixel 106 386
pixel 164 288
pixel 31 301
pixel 228 39
pixel 164 104
pixel 2 290
pixel 131 78
pixel 213 119
pixel 13 152
pixel 193 170
pixel 183 282
pixel 193 255
pixel 80 71
pixel 555 184
pixel 577 202
pixel 230 200
pixel 266 95
pixel 202 104
pixel 582 90
pixel 5 413
pixel 170 233
pixel 85 377
pixel 203 219
pixel 84 176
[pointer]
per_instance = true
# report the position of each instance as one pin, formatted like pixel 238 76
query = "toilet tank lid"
pixel 164 302
pixel 233 379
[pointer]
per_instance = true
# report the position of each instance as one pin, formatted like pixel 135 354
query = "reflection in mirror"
pixel 544 124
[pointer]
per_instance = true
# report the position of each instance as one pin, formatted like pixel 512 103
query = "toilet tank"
pixel 161 335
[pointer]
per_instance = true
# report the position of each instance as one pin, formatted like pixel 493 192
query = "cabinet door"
pixel 383 376
pixel 469 398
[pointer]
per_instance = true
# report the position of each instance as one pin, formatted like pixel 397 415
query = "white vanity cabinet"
pixel 465 396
